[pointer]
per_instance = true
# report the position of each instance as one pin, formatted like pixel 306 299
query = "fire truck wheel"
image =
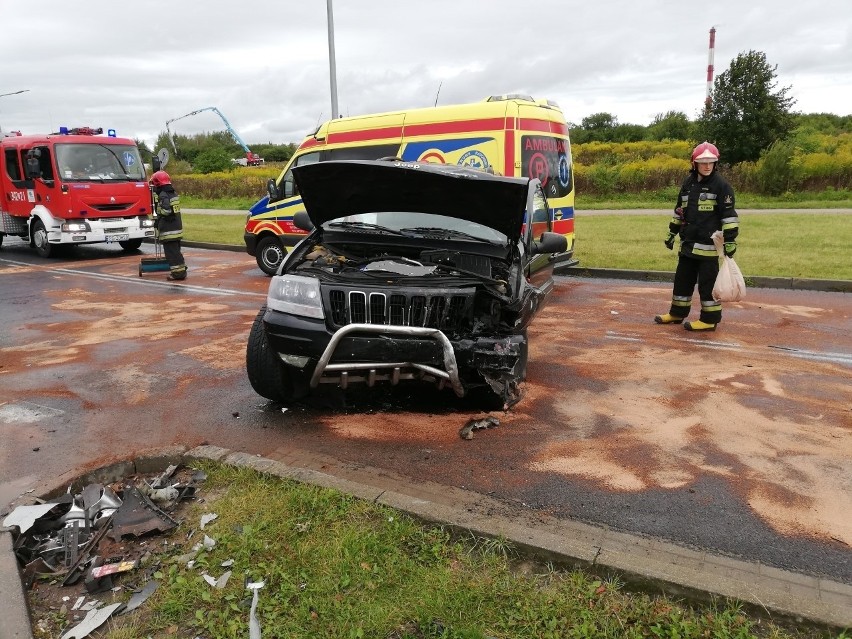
pixel 268 375
pixel 269 254
pixel 42 246
pixel 1 239
pixel 131 245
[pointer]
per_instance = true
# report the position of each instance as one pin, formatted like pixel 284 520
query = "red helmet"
pixel 705 152
pixel 160 178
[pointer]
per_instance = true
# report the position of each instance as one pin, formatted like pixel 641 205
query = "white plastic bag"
pixel 730 285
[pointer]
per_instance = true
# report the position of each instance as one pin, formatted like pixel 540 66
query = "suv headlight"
pixel 295 294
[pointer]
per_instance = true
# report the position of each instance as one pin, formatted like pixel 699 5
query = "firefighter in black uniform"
pixel 705 205
pixel 169 224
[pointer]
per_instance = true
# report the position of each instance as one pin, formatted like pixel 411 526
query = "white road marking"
pixel 821 356
pixel 131 280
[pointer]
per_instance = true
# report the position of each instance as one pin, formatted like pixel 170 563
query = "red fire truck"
pixel 76 186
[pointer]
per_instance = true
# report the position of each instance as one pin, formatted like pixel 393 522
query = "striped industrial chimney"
pixel 708 99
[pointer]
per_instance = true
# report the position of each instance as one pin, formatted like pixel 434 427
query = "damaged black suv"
pixel 411 271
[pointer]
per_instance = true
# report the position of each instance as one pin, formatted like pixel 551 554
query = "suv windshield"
pixel 418 225
pixel 99 162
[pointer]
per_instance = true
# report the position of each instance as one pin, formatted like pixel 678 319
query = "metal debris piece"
pixel 478 424
pixel 73 572
pixel 94 620
pixel 227 564
pixel 78 603
pixel 70 538
pixel 207 518
pixel 141 596
pixel 163 495
pixel 160 482
pixel 25 516
pixel 138 515
pixel 254 625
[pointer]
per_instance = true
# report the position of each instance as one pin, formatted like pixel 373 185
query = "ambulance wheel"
pixel 131 245
pixel 268 375
pixel 270 254
pixel 40 243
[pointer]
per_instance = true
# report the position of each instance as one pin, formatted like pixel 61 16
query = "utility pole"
pixel 332 65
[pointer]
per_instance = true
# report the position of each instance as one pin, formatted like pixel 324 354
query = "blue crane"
pixel 252 159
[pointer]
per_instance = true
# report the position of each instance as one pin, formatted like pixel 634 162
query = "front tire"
pixel 270 253
pixel 39 240
pixel 268 375
pixel 131 245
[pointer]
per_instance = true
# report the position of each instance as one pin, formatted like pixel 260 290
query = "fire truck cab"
pixel 76 186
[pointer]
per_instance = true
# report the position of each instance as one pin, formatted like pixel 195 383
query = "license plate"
pixel 119 237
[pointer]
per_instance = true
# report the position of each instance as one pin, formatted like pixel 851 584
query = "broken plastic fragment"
pixel 477 424
pixel 94 620
pixel 140 597
pixel 25 516
pixel 207 518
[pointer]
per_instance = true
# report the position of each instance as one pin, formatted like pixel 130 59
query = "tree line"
pixel 749 117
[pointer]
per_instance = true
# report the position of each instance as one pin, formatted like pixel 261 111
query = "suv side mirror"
pixel 550 243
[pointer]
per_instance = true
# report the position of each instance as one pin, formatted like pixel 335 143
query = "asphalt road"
pixel 738 442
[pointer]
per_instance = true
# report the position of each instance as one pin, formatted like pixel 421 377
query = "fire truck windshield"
pixel 99 162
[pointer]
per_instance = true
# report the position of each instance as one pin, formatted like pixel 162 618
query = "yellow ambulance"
pixel 509 134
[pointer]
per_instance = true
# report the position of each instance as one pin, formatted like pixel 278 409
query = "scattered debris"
pixel 219 583
pixel 75 546
pixel 207 518
pixel 477 424
pixel 254 625
pixel 94 620
pixel 141 596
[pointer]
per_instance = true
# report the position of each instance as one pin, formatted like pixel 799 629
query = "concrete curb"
pixel 754 281
pixel 648 564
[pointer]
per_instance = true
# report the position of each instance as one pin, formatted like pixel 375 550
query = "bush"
pixel 213 160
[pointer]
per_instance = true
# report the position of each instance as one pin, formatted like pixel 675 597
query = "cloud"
pixel 265 64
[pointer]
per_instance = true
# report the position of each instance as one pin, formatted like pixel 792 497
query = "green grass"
pixel 774 244
pixel 226 204
pixel 665 200
pixel 335 566
pixel 771 244
pixel 216 229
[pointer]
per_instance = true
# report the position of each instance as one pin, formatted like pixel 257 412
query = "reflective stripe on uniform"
pixel 704 250
pixel 730 223
pixel 681 300
pixel 711 305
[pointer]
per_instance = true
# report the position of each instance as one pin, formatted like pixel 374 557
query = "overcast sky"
pixel 264 64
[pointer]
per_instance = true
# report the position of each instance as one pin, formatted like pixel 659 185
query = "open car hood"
pixel 332 190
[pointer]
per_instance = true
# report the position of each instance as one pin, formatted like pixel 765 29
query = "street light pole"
pixel 332 65
pixel 3 95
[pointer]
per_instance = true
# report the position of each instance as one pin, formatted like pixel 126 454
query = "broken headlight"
pixel 295 294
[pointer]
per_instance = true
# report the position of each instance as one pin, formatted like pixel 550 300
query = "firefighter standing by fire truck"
pixel 705 205
pixel 169 224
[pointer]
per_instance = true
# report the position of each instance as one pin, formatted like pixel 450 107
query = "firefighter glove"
pixel 730 248
pixel 670 241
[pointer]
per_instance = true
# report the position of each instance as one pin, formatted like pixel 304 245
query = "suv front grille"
pixel 444 309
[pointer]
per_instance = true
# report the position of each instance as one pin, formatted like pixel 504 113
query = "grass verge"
pixel 336 566
pixel 774 244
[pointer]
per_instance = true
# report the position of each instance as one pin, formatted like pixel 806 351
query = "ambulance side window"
pixel 288 185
